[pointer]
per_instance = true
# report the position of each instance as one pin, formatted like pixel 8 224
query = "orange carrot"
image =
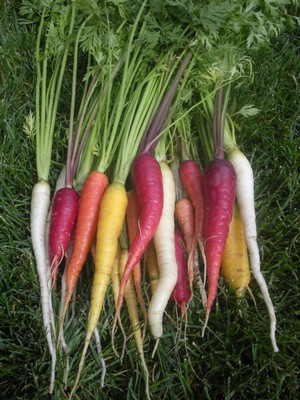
pixel 192 181
pixel 185 216
pixel 86 226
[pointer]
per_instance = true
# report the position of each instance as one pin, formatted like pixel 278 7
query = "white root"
pixel 40 202
pixel 245 198
pixel 102 361
pixel 165 250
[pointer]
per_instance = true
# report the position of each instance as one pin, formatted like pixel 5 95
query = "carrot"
pixel 151 265
pixel 219 192
pixel 147 178
pixel 246 204
pixel 102 360
pixel 112 214
pixel 245 199
pixel 61 339
pixel 181 293
pixel 235 261
pixel 115 283
pixel 130 298
pixel 219 198
pixel 192 181
pixel 40 203
pixel 60 183
pixel 165 250
pixel 62 222
pixel 64 215
pixel 86 226
pixel 133 226
pixel 185 216
pixel 146 174
pixel 47 93
pixel 134 105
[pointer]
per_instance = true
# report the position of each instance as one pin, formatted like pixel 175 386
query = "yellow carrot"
pixel 111 218
pixel 131 302
pixel 115 284
pixel 151 265
pixel 235 262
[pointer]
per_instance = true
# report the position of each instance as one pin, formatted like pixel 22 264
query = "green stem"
pixel 47 98
pixel 70 169
pixel 43 91
pixel 229 134
pixel 137 118
pixel 217 131
pixel 40 171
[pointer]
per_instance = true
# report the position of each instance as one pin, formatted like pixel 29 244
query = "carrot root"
pixel 40 203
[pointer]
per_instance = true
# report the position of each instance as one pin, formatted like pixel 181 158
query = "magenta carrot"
pixel 219 191
pixel 219 196
pixel 146 174
pixel 62 222
pixel 181 293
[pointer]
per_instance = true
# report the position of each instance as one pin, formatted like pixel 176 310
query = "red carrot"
pixel 132 220
pixel 181 292
pixel 147 177
pixel 63 217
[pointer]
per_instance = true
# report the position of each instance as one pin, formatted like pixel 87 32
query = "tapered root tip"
pixel 272 336
pixel 86 345
pixel 183 308
pixel 205 322
pixel 61 323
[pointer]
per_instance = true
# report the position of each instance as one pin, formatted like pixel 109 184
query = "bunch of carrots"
pixel 136 188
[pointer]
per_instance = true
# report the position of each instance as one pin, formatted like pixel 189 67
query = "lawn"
pixel 234 360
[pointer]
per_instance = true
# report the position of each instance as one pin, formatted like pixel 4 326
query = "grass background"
pixel 235 359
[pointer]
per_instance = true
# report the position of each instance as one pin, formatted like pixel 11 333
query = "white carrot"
pixel 48 87
pixel 245 198
pixel 40 202
pixel 165 250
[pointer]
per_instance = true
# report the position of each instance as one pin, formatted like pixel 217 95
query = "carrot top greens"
pixel 52 48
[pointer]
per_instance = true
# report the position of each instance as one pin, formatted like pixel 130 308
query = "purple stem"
pixel 151 138
pixel 218 126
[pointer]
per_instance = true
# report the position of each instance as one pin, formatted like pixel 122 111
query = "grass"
pixel 235 358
